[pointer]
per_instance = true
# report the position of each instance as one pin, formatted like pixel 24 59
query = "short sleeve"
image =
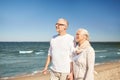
pixel 72 47
pixel 50 50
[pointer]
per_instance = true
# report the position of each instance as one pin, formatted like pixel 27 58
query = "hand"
pixel 70 76
pixel 44 71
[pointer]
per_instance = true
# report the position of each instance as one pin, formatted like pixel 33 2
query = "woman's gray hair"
pixel 84 32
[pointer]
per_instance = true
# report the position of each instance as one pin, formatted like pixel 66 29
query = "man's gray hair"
pixel 64 20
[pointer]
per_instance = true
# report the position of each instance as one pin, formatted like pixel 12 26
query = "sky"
pixel 34 20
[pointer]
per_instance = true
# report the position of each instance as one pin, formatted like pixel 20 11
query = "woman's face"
pixel 79 37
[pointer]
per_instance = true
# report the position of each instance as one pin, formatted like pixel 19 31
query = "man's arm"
pixel 48 60
pixel 70 76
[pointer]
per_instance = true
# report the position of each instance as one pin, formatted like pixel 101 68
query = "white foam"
pixel 39 53
pixel 41 50
pixel 100 50
pixel 99 63
pixel 118 52
pixel 118 49
pixel 102 56
pixel 35 72
pixel 5 78
pixel 24 52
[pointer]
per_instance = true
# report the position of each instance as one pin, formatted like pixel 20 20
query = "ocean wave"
pixel 118 52
pixel 118 49
pixel 100 50
pixel 97 64
pixel 5 78
pixel 24 52
pixel 35 72
pixel 41 50
pixel 39 53
pixel 102 56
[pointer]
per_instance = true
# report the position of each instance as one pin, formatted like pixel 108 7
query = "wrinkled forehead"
pixel 62 21
pixel 78 31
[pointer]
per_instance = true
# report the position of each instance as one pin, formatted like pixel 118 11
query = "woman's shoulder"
pixel 90 49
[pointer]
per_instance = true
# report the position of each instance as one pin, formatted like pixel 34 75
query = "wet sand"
pixel 107 71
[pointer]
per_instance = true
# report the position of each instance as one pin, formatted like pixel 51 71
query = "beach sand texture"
pixel 107 71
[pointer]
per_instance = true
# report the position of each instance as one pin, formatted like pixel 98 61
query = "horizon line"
pixel 49 41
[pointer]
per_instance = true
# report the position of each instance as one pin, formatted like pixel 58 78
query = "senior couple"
pixel 70 61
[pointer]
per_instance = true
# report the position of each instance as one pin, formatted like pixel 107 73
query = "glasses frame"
pixel 59 24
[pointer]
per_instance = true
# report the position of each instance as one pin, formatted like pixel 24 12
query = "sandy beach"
pixel 107 71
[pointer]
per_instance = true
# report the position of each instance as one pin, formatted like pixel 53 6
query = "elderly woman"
pixel 84 57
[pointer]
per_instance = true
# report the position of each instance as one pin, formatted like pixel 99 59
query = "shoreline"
pixel 105 71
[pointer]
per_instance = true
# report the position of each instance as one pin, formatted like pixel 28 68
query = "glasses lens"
pixel 58 24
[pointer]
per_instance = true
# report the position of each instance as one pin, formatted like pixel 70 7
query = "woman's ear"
pixel 85 37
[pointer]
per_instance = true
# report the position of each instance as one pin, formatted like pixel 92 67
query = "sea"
pixel 18 58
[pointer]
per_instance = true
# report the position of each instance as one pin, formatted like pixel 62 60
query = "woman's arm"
pixel 90 64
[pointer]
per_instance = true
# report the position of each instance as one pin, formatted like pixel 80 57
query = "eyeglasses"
pixel 58 24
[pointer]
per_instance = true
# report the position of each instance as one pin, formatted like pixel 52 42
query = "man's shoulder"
pixel 70 36
pixel 54 36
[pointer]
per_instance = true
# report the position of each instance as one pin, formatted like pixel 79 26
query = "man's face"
pixel 61 26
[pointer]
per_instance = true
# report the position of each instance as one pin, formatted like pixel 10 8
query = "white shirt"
pixel 61 49
pixel 83 64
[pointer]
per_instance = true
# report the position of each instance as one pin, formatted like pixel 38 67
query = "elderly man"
pixel 60 53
